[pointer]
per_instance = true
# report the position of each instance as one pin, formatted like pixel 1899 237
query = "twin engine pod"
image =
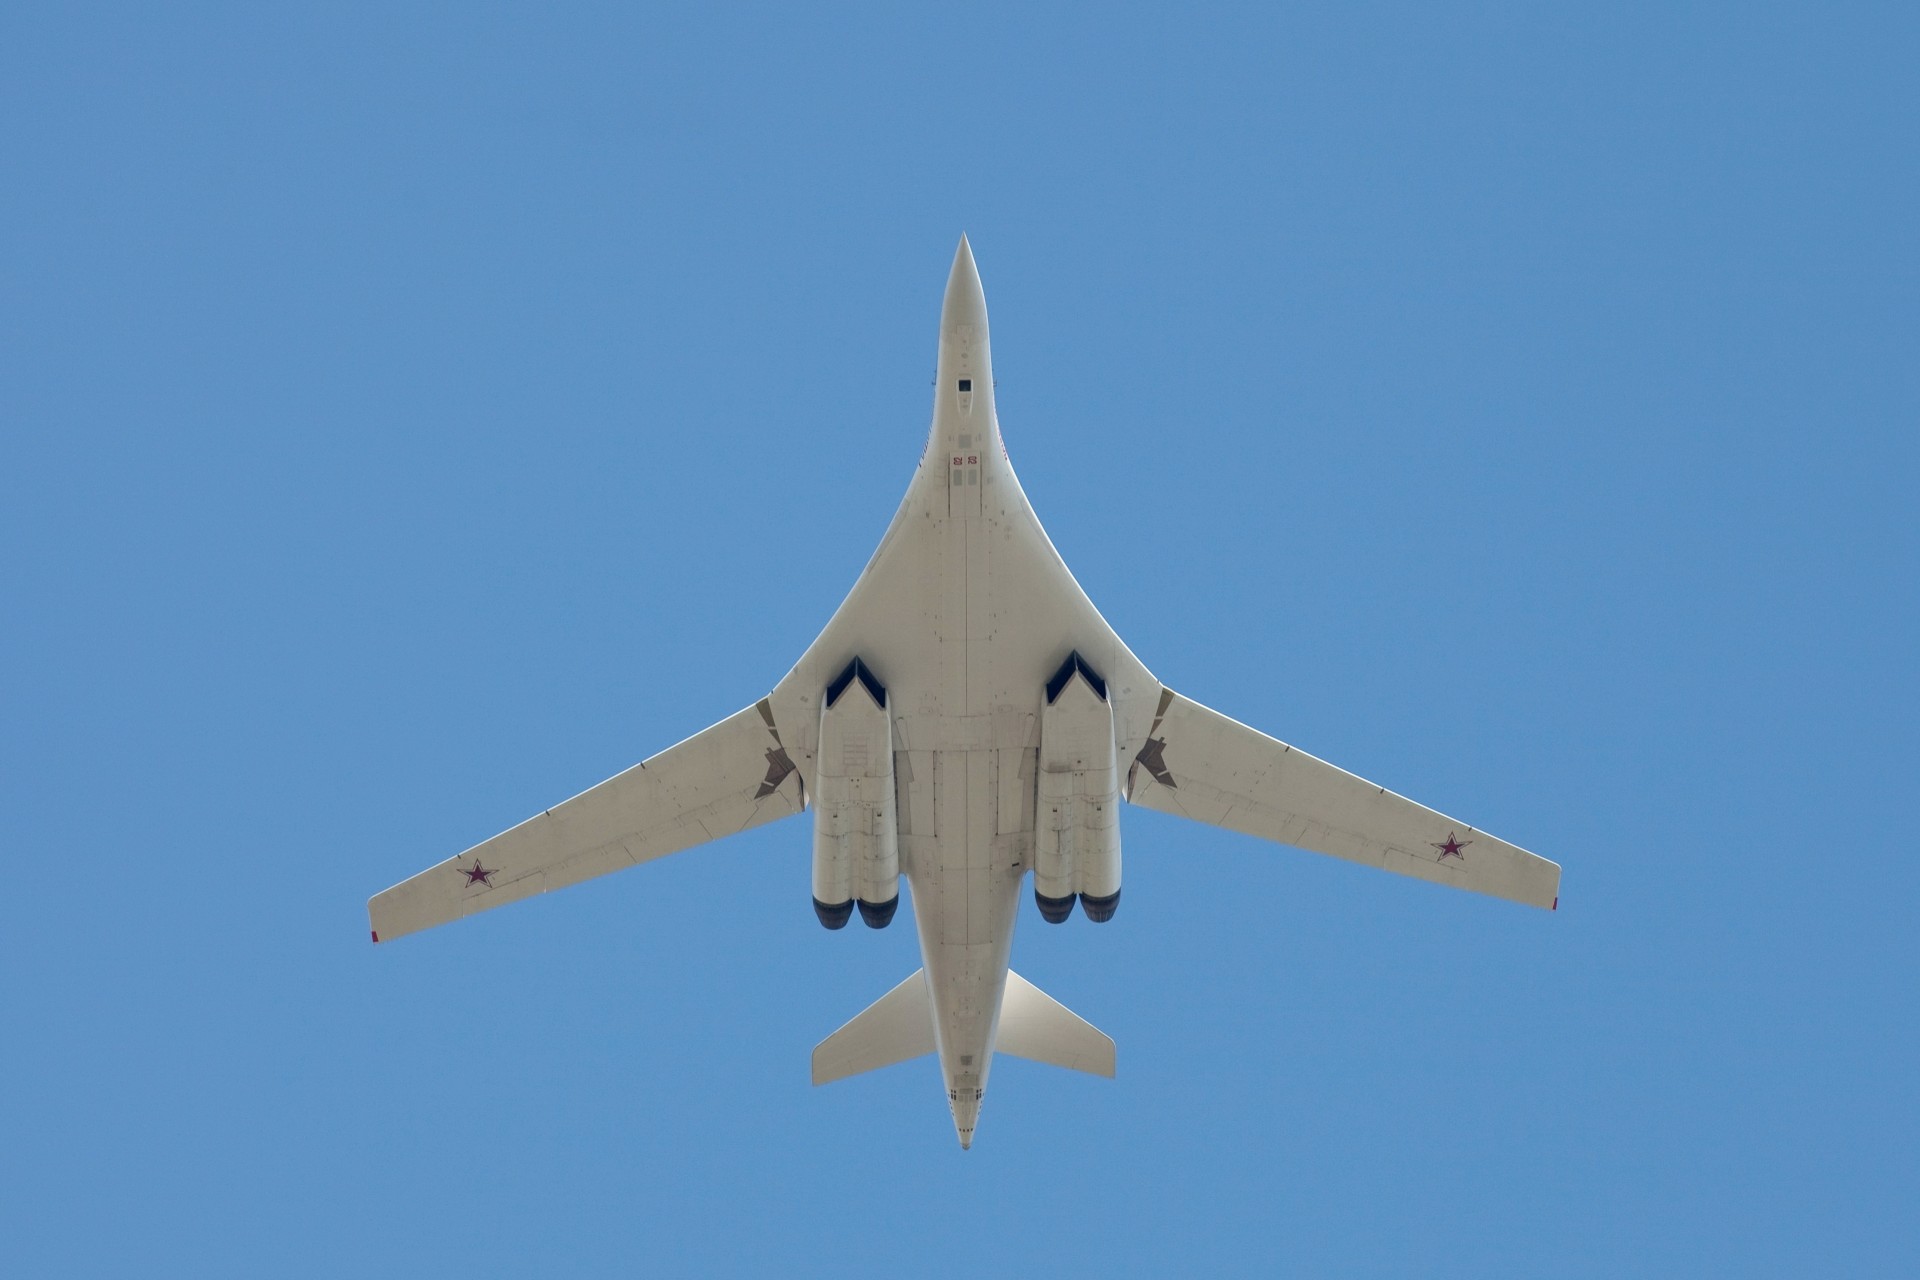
pixel 856 835
pixel 1076 838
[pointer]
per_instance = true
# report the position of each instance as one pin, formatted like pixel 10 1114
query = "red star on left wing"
pixel 1450 847
pixel 477 874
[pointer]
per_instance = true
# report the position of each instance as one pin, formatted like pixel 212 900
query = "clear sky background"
pixel 410 416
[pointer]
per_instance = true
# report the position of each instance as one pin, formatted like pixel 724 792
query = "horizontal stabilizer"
pixel 897 1026
pixel 1035 1026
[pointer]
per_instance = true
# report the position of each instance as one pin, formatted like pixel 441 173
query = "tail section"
pixel 1035 1026
pixel 894 1028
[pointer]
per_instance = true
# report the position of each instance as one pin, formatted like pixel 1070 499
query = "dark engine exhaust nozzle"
pixel 1100 910
pixel 878 915
pixel 1053 910
pixel 833 915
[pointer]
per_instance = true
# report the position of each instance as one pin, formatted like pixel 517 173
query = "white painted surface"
pixel 1035 1026
pixel 1077 822
pixel 856 837
pixel 894 1028
pixel 963 614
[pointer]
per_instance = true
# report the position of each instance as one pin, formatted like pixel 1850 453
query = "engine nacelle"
pixel 1076 834
pixel 856 837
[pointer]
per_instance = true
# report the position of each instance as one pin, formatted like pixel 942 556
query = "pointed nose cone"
pixel 966 302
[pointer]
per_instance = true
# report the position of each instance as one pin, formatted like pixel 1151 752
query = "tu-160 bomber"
pixel 966 718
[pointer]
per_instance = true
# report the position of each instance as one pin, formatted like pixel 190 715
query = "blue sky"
pixel 412 415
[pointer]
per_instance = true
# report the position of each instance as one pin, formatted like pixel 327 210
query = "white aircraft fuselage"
pixel 963 614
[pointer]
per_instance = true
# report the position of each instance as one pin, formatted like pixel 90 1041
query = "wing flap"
pixel 1202 765
pixel 723 779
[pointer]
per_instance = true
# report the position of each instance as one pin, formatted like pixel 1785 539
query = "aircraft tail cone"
pixel 966 1115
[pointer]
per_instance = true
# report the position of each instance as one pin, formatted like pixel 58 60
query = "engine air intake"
pixel 1075 663
pixel 857 670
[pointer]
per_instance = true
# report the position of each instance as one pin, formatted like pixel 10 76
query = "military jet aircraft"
pixel 967 718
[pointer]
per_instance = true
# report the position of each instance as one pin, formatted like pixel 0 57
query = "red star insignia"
pixel 1450 847
pixel 477 874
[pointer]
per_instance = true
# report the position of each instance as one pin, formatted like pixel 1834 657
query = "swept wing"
pixel 1203 765
pixel 724 779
